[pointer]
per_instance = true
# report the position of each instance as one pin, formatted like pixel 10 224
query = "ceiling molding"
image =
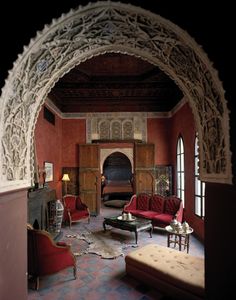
pixel 152 115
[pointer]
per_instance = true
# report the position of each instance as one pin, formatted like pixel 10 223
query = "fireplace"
pixel 39 213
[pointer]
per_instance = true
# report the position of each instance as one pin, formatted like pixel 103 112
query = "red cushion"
pixel 148 214
pixel 58 260
pixel 79 204
pixel 135 212
pixel 70 202
pixel 78 214
pixel 162 219
pixel 157 203
pixel 61 244
pixel 172 205
pixel 143 202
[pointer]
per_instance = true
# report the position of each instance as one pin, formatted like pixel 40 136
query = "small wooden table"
pixel 180 238
pixel 137 225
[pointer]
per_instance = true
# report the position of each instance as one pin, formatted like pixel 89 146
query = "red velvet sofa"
pixel 161 210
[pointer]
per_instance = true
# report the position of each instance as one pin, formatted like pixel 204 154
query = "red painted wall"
pixel 159 134
pixel 185 126
pixel 48 139
pixel 59 144
pixel 73 133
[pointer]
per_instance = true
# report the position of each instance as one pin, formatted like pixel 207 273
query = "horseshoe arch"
pixel 96 29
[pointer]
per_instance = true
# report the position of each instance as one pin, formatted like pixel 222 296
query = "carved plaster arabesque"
pixel 102 126
pixel 93 30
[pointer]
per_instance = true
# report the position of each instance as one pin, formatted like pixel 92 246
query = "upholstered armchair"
pixel 46 257
pixel 74 209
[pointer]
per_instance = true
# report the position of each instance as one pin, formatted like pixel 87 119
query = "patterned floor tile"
pixel 102 279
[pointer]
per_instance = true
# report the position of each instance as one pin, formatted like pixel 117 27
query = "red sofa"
pixel 161 210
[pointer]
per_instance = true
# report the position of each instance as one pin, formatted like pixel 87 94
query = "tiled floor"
pixel 102 279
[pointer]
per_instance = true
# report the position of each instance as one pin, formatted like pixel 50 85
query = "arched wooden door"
pixel 144 168
pixel 89 177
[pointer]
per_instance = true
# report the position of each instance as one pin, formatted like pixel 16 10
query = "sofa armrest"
pixel 131 205
pixel 63 244
pixel 179 214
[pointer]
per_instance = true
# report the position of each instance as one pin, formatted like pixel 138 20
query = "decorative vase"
pixel 173 224
pixel 185 226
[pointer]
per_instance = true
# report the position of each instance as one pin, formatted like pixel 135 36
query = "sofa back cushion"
pixel 157 203
pixel 69 202
pixel 172 205
pixel 143 201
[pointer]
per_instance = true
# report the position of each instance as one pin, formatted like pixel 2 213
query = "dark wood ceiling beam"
pixel 115 108
pixel 120 106
pixel 115 82
pixel 124 101
pixel 107 84
pixel 118 94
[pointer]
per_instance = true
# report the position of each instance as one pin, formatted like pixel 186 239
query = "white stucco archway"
pixel 93 30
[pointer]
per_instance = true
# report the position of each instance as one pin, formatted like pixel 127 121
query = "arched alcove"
pixel 117 166
pixel 127 152
pixel 92 30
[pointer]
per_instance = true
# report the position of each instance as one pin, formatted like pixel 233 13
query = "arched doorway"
pixel 117 166
pixel 92 30
pixel 117 170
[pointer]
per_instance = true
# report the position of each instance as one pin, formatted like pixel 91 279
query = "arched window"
pixel 199 186
pixel 180 169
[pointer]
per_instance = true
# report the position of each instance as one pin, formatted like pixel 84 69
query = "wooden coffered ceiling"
pixel 115 83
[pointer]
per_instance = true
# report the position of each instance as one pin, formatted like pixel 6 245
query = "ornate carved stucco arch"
pixel 92 30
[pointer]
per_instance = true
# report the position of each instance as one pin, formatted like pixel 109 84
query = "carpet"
pixel 102 243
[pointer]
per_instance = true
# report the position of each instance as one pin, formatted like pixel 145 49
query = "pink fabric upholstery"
pixel 45 257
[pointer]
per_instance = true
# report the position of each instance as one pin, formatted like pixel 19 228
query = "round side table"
pixel 180 238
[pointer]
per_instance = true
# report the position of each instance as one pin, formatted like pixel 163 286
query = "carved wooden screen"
pixel 163 180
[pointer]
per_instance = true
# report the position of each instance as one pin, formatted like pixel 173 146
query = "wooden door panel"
pixel 89 156
pixel 144 155
pixel 144 182
pixel 90 200
pixel 144 168
pixel 88 180
pixel 89 172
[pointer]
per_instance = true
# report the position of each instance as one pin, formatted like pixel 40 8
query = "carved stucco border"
pixel 92 30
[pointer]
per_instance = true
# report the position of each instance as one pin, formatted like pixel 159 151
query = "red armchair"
pixel 45 257
pixel 74 209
